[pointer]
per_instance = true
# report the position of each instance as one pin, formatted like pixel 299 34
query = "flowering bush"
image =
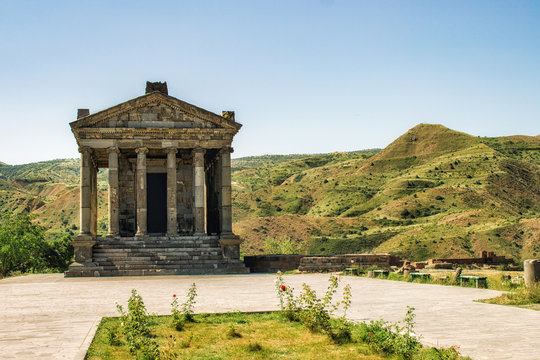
pixel 179 317
pixel 314 313
pixel 189 304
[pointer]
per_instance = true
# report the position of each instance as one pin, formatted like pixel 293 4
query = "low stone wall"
pixel 340 262
pixel 487 258
pixel 272 263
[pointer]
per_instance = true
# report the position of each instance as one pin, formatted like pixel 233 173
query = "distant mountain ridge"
pixel 433 192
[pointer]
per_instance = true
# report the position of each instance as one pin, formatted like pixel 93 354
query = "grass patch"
pixel 256 336
pixel 521 296
pixel 261 336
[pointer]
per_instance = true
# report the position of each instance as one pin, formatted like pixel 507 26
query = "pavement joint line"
pixel 83 348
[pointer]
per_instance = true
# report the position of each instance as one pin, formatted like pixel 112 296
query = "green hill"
pixel 433 192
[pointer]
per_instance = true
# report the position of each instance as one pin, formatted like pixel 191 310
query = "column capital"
pixel 141 150
pixel 199 150
pixel 113 149
pixel 172 150
pixel 85 150
pixel 226 149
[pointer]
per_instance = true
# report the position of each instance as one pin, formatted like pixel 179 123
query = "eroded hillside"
pixel 431 192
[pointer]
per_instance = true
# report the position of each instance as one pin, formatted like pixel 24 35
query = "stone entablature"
pixel 169 171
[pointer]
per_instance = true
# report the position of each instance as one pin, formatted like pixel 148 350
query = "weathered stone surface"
pixel 272 263
pixel 157 86
pixel 139 141
pixel 340 262
pixel 531 269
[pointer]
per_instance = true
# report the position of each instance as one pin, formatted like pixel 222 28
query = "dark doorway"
pixel 157 203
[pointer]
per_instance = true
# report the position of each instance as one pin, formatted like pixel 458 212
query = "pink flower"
pixel 283 288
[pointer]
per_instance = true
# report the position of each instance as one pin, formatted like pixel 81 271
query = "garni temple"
pixel 169 180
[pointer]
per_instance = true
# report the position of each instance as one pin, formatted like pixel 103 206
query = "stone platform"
pixel 157 255
pixel 51 317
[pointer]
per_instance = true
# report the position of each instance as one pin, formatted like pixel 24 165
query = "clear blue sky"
pixel 302 76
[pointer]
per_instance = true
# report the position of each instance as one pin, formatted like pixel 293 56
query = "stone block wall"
pixel 487 258
pixel 272 263
pixel 126 197
pixel 184 193
pixel 340 262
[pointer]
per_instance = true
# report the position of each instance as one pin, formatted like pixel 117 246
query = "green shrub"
pixel 232 332
pixel 22 244
pixel 135 324
pixel 112 336
pixel 392 338
pixel 281 246
pixel 179 317
pixel 316 313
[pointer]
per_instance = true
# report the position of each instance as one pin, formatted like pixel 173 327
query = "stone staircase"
pixel 161 255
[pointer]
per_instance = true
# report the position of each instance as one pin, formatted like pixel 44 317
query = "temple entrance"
pixel 157 203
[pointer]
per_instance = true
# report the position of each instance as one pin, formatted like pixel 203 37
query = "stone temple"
pixel 169 198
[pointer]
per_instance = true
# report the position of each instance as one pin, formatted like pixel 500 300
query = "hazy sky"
pixel 302 76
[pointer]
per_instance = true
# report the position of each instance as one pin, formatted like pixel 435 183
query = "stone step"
pixel 161 266
pixel 103 261
pixel 158 242
pixel 156 246
pixel 147 257
pixel 156 272
pixel 157 251
pixel 159 238
pixel 154 251
pixel 187 255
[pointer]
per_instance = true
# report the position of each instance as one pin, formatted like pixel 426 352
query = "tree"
pixel 22 244
pixel 283 246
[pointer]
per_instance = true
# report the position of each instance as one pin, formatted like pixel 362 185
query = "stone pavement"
pixel 52 317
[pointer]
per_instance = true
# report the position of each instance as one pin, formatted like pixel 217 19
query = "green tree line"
pixel 23 247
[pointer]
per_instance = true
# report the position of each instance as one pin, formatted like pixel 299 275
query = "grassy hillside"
pixel 49 190
pixel 431 192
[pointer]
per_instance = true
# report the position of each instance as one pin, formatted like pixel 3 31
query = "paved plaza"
pixel 52 317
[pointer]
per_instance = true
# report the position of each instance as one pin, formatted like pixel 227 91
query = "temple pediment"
pixel 155 111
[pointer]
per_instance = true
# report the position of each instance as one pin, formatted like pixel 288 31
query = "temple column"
pixel 141 192
pixel 225 184
pixel 86 167
pixel 84 242
pixel 93 200
pixel 114 225
pixel 230 243
pixel 172 219
pixel 198 190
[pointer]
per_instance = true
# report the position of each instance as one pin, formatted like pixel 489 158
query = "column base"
pixel 83 269
pixel 230 245
pixel 82 248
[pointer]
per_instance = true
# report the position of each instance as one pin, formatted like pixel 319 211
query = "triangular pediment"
pixel 155 111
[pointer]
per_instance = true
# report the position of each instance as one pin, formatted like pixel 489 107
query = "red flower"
pixel 371 334
pixel 173 295
pixel 283 288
